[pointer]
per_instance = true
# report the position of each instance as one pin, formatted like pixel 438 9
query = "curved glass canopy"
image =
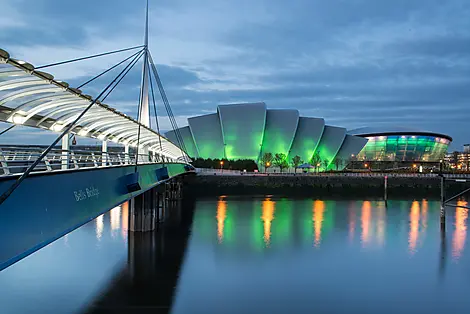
pixel 33 98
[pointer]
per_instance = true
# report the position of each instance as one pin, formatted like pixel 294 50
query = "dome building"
pixel 399 144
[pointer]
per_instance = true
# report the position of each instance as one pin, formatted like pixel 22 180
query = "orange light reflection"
pixel 221 215
pixel 125 220
pixel 365 222
pixel 267 217
pixel 460 233
pixel 318 210
pixel 414 226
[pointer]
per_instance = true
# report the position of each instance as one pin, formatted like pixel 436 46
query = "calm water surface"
pixel 262 254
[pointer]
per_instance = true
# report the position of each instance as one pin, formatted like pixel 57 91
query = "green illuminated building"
pixel 402 145
pixel 247 131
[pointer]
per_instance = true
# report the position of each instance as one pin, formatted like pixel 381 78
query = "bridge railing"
pixel 15 160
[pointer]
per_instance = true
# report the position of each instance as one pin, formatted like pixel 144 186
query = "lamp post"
pixel 266 166
pixel 221 166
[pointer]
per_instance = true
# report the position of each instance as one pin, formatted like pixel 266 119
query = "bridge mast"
pixel 144 112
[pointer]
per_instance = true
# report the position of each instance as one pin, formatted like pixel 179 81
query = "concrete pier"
pixel 149 209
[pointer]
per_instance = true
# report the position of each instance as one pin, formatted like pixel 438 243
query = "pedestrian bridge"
pixel 46 192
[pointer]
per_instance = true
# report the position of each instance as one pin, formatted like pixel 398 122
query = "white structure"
pixel 33 98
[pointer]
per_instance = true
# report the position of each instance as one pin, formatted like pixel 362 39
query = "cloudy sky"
pixel 354 62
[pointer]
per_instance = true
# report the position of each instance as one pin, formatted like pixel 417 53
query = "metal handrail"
pixel 15 160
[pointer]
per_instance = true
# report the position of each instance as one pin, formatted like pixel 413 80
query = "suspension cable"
pixel 7 129
pixel 128 68
pixel 168 107
pixel 113 67
pixel 88 57
pixel 18 181
pixel 155 111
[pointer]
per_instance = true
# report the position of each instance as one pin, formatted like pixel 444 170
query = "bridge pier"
pixel 150 208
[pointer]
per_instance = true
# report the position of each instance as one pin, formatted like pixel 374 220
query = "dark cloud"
pixel 354 62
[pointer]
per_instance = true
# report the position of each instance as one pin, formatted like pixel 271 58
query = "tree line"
pixel 267 160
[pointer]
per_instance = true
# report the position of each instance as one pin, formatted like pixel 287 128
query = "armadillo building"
pixel 247 131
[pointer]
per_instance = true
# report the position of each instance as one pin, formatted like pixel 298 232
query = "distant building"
pixel 247 131
pixel 402 145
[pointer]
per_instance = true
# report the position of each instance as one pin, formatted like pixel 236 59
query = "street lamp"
pixel 221 165
pixel 267 165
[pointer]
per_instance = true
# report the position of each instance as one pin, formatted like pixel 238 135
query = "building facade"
pixel 402 145
pixel 247 131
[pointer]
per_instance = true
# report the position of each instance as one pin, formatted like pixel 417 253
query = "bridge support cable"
pixel 155 111
pixel 111 68
pixel 167 105
pixel 123 74
pixel 7 129
pixel 171 117
pixel 25 174
pixel 87 57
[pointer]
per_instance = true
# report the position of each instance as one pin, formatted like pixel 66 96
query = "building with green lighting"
pixel 404 145
pixel 247 131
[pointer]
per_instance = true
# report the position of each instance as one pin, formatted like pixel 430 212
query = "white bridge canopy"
pixel 33 98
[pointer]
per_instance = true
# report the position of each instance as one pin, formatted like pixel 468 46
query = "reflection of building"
pixel 247 131
pixel 402 145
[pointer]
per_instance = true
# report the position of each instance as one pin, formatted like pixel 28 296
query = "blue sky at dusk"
pixel 353 62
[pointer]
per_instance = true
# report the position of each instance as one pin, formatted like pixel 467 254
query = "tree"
pixel 315 161
pixel 280 160
pixel 326 163
pixel 296 162
pixel 338 163
pixel 267 159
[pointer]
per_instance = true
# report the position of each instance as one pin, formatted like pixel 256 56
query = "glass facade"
pixel 404 148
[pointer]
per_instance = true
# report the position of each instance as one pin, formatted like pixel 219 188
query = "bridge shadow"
pixel 149 280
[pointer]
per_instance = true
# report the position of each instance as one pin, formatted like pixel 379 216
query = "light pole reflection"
pixel 267 217
pixel 221 215
pixel 318 211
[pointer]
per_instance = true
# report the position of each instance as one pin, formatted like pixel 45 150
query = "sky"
pixel 355 63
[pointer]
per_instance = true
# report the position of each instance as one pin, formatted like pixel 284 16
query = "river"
pixel 262 254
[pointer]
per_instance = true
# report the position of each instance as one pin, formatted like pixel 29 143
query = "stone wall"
pixel 318 185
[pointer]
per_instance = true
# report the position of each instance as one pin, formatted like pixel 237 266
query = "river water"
pixel 261 254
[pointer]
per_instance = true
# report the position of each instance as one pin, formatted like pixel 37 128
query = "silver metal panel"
pixel 242 129
pixel 187 139
pixel 352 145
pixel 330 143
pixel 207 135
pixel 281 126
pixel 307 137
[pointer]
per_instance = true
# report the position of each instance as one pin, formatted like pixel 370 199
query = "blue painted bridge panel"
pixel 47 206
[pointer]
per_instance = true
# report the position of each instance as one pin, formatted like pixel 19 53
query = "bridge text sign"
pixel 87 193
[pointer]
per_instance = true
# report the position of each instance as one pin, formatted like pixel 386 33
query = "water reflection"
pixel 365 222
pixel 125 220
pixel 221 215
pixel 460 233
pixel 276 222
pixel 414 226
pixel 66 275
pixel 99 222
pixel 381 223
pixel 267 217
pixel 239 266
pixel 352 222
pixel 115 219
pixel 318 210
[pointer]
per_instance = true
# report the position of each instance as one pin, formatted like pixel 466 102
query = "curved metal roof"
pixel 394 130
pixel 33 98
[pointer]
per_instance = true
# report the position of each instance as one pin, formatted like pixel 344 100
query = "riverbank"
pixel 322 185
